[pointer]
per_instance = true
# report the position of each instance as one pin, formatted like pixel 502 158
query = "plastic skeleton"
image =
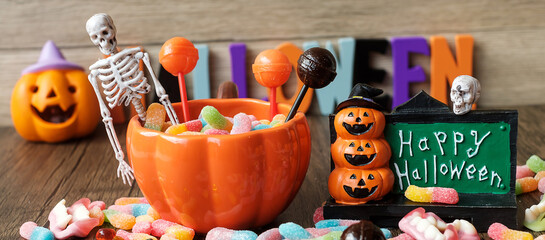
pixel 122 81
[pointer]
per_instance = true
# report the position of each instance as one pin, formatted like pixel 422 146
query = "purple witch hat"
pixel 50 58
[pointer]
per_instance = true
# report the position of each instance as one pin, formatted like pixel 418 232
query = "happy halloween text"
pixel 470 160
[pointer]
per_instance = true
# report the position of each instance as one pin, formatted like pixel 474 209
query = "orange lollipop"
pixel 272 69
pixel 179 56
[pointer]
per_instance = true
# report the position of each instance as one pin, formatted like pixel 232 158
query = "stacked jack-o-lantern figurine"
pixel 360 152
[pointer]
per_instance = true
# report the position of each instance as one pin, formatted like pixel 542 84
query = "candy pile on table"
pixel 210 122
pixel 530 177
pixel 126 214
pixel 135 219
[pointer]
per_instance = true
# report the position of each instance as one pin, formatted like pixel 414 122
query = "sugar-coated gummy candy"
pixel 203 129
pixel 524 185
pixel 244 235
pixel 155 116
pixel 215 119
pixel 255 123
pixel 265 121
pixel 194 125
pixel 498 231
pixel 293 231
pixel 533 217
pixel 541 185
pixel 539 175
pixel 142 227
pixel 318 214
pixel 524 171
pixel 242 123
pixel 168 236
pixel 318 232
pixel 262 126
pixel 41 233
pixel 119 219
pixel 271 234
pixel 334 235
pixel 153 213
pixel 105 234
pixel 144 218
pixel 228 234
pixel 329 223
pixel 30 230
pixel 130 200
pixel 176 129
pixel 540 237
pixel 180 232
pixel 432 194
pixel 535 163
pixel 159 227
pixel 96 212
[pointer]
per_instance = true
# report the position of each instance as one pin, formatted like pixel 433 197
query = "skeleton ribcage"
pixel 123 81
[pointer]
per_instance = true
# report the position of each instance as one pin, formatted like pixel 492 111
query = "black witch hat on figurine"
pixel 361 96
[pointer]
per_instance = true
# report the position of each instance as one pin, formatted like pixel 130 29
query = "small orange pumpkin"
pixel 359 123
pixel 54 105
pixel 361 154
pixel 357 186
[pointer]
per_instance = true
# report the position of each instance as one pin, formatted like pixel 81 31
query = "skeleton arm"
pixel 163 96
pixel 123 168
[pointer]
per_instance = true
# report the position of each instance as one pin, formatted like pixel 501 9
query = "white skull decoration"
pixel 465 91
pixel 102 32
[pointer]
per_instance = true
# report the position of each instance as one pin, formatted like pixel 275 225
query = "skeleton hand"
pixel 126 172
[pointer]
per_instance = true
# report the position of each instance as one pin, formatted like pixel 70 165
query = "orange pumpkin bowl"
pixel 235 181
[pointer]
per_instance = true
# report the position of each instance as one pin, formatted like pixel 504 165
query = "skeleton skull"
pixel 102 32
pixel 465 91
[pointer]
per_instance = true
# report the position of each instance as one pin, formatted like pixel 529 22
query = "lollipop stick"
pixel 297 102
pixel 183 96
pixel 272 102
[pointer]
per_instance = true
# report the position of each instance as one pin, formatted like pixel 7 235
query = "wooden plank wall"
pixel 509 35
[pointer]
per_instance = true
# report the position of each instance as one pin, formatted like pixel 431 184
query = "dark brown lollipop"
pixel 364 230
pixel 316 68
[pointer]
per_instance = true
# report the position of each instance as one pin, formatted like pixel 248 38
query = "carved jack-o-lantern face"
pixel 359 123
pixel 360 154
pixel 353 186
pixel 54 105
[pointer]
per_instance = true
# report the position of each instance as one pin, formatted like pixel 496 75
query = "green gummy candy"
pixel 535 163
pixel 206 128
pixel 335 235
pixel 213 117
pixel 108 213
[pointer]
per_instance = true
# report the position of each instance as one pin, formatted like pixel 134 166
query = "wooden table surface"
pixel 36 176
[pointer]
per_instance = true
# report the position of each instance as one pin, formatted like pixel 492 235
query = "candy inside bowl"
pixel 235 181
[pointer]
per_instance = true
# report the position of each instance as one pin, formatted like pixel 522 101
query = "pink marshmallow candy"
pixel 524 171
pixel 242 124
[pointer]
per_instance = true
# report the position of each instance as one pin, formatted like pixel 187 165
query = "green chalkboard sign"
pixel 469 157
pixel 433 147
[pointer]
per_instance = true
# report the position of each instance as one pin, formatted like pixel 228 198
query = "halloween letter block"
pixel 445 68
pixel 403 75
pixel 238 67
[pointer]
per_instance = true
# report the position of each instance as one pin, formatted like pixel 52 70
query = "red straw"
pixel 183 96
pixel 272 102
